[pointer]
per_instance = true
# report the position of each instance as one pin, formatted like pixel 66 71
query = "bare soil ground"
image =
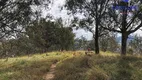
pixel 50 75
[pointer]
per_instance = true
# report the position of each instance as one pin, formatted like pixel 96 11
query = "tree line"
pixel 39 37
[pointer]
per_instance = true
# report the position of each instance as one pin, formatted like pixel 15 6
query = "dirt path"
pixel 50 75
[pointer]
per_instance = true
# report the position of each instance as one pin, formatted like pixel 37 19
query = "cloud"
pixel 139 33
pixel 56 9
pixel 83 33
pixel 57 13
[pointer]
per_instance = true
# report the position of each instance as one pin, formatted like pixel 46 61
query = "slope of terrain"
pixel 30 68
pixel 106 66
pixel 72 66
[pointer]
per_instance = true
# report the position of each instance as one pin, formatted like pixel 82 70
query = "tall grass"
pixel 29 68
pixel 106 66
pixel 72 66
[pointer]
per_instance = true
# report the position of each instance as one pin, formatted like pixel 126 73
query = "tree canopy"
pixel 14 14
pixel 92 12
pixel 120 16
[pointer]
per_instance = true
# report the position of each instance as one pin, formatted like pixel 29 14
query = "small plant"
pixel 130 51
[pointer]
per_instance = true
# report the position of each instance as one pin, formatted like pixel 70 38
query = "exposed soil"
pixel 50 75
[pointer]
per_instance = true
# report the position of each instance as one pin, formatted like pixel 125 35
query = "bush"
pixel 130 51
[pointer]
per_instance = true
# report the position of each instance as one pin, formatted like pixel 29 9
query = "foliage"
pixel 136 44
pixel 98 15
pixel 66 38
pixel 80 43
pixel 51 35
pixel 91 16
pixel 17 47
pixel 16 14
pixel 40 37
pixel 109 43
pixel 123 20
pixel 91 45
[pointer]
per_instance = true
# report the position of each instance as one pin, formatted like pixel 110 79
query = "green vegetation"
pixel 42 36
pixel 28 27
pixel 72 66
pixel 106 66
pixel 29 68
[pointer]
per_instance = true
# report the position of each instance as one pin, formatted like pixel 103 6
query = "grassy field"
pixel 73 66
pixel 30 68
pixel 107 66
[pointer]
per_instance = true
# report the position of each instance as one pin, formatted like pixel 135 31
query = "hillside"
pixel 29 67
pixel 72 66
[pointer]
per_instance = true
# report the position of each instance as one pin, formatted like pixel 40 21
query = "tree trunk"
pixel 124 44
pixel 97 40
pixel 96 31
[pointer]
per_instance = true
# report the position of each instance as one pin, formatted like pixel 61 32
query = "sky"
pixel 57 13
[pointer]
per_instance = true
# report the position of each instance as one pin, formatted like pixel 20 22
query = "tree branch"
pixel 132 31
pixel 111 29
pixel 132 20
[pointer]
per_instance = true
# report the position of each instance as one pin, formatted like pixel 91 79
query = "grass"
pixel 73 66
pixel 29 68
pixel 106 66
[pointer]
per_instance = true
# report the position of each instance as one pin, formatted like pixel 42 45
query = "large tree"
pixel 92 12
pixel 50 35
pixel 123 17
pixel 14 14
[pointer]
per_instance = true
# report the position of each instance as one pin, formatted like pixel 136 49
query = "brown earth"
pixel 50 75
